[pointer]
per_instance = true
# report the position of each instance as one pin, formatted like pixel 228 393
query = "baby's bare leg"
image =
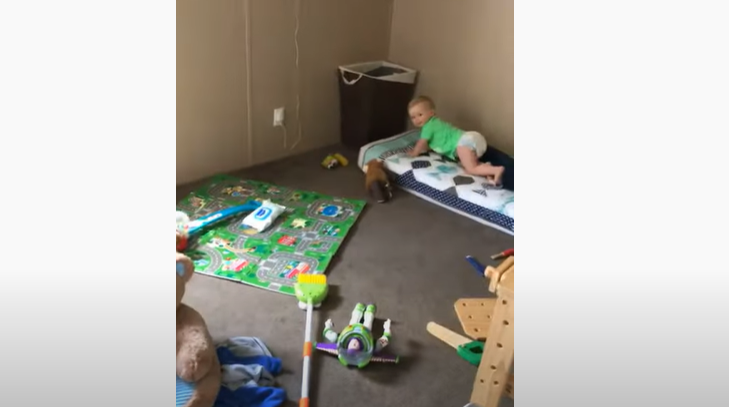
pixel 474 167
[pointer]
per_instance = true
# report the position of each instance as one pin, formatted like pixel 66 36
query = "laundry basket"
pixel 374 99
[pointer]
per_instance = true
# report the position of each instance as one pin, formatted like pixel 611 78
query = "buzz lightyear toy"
pixel 355 345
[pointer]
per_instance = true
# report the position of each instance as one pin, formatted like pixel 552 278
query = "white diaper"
pixel 475 141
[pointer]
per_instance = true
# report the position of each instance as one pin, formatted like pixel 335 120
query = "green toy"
pixel 471 352
pixel 303 240
pixel 355 345
pixel 311 290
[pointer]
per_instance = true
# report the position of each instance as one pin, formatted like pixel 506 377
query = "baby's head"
pixel 421 109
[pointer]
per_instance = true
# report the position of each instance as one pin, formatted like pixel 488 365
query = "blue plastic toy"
pixel 480 268
pixel 197 225
pixel 191 229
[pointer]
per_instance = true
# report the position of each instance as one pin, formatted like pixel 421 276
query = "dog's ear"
pixel 369 165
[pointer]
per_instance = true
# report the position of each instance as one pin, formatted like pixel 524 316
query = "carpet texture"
pixel 407 256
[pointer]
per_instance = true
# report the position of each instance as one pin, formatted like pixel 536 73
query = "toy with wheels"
pixel 187 230
pixel 334 160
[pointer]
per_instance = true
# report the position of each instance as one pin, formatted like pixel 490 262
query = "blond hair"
pixel 422 99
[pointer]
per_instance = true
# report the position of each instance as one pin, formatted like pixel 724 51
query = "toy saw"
pixel 467 349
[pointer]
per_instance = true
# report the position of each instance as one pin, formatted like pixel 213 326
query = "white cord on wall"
pixel 296 30
pixel 286 135
pixel 298 81
pixel 248 81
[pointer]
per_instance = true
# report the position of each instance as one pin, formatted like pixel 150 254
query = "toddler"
pixel 449 141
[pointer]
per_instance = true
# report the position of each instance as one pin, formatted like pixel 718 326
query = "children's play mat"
pixel 304 239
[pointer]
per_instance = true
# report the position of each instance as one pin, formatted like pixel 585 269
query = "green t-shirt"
pixel 442 137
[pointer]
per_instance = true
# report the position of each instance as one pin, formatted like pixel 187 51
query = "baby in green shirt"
pixel 449 141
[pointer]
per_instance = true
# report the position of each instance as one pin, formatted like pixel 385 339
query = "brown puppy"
pixel 377 183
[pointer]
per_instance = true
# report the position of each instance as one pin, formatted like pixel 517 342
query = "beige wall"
pixel 464 50
pixel 214 132
pixel 211 87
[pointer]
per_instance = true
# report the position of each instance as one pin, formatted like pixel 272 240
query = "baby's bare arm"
pixel 420 147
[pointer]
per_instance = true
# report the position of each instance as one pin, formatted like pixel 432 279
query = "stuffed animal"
pixel 377 183
pixel 197 361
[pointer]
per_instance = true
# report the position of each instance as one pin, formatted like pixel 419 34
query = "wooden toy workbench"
pixel 492 320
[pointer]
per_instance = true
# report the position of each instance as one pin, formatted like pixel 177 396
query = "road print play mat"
pixel 304 239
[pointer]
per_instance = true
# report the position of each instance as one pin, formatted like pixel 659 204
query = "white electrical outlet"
pixel 278 116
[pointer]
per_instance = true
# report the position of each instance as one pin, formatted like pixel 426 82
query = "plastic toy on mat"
pixel 334 160
pixel 263 217
pixel 355 345
pixel 188 229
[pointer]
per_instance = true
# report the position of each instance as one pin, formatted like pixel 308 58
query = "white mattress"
pixel 442 182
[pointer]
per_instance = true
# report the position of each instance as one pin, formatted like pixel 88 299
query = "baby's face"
pixel 420 114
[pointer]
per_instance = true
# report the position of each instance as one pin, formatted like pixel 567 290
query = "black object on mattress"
pixel 499 158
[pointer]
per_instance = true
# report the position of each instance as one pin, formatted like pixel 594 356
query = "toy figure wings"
pixel 378 357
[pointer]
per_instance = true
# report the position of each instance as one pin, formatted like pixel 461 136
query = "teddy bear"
pixel 197 361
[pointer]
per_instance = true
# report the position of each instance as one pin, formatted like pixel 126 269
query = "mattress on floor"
pixel 442 181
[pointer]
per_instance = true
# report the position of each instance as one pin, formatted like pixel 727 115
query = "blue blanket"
pixel 248 380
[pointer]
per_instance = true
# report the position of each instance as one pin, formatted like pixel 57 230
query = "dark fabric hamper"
pixel 374 100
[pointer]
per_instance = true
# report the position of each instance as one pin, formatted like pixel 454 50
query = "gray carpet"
pixel 407 256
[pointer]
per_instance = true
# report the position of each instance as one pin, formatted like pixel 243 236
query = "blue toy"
pixel 184 392
pixel 188 229
pixel 480 268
